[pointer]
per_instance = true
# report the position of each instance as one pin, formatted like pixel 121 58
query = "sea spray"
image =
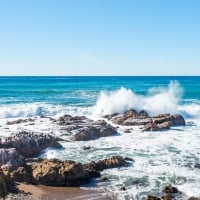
pixel 158 100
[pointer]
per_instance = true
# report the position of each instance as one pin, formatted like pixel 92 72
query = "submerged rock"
pixel 30 144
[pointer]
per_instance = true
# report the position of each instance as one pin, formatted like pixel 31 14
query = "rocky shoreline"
pixel 17 152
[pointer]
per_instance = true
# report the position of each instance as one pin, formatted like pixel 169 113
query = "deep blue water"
pixel 83 91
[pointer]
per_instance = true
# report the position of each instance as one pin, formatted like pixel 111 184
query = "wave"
pixel 40 109
pixel 158 100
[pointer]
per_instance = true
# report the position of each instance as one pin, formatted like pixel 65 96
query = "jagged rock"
pixel 22 174
pixel 157 127
pixel 94 132
pixel 113 162
pixel 30 144
pixel 71 120
pixel 60 173
pixel 11 158
pixel 155 123
pixel 143 114
pixel 130 114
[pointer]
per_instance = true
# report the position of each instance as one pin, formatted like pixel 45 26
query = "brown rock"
pixel 59 173
pixel 157 127
pixel 113 162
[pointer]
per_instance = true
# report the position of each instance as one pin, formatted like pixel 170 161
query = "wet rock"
pixel 86 147
pixel 130 114
pixel 170 192
pixel 94 132
pixel 157 127
pixel 11 158
pixel 19 121
pixel 123 188
pixel 22 174
pixel 153 198
pixel 143 114
pixel 30 144
pixel 54 172
pixel 72 120
pixel 113 162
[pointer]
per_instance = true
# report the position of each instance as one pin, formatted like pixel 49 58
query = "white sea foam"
pixel 158 100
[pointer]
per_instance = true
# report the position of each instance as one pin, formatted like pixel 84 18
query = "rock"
pixel 54 172
pixel 130 114
pixel 22 174
pixel 157 127
pixel 143 114
pixel 72 120
pixel 153 198
pixel 11 158
pixel 86 147
pixel 19 121
pixel 178 120
pixel 170 192
pixel 6 185
pixel 123 188
pixel 193 198
pixel 94 132
pixel 30 144
pixel 113 162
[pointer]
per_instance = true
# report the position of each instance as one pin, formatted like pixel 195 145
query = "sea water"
pixel 159 158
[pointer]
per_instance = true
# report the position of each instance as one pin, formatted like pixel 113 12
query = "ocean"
pixel 160 158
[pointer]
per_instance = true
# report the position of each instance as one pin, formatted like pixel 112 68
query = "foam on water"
pixel 158 100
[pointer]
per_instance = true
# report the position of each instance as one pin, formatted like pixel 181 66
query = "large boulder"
pixel 11 158
pixel 54 172
pixel 94 132
pixel 30 144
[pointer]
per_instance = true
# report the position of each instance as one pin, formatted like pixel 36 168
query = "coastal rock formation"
pixel 72 120
pixel 69 173
pixel 154 123
pixel 94 132
pixel 113 162
pixel 157 127
pixel 11 158
pixel 54 172
pixel 29 144
pixel 84 129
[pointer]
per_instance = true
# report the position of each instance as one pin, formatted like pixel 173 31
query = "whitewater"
pixel 159 158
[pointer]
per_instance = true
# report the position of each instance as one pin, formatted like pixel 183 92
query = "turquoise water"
pixel 159 158
pixel 84 92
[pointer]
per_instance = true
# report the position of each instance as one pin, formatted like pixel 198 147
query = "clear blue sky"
pixel 99 37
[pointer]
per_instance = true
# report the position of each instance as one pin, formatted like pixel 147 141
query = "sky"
pixel 99 37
